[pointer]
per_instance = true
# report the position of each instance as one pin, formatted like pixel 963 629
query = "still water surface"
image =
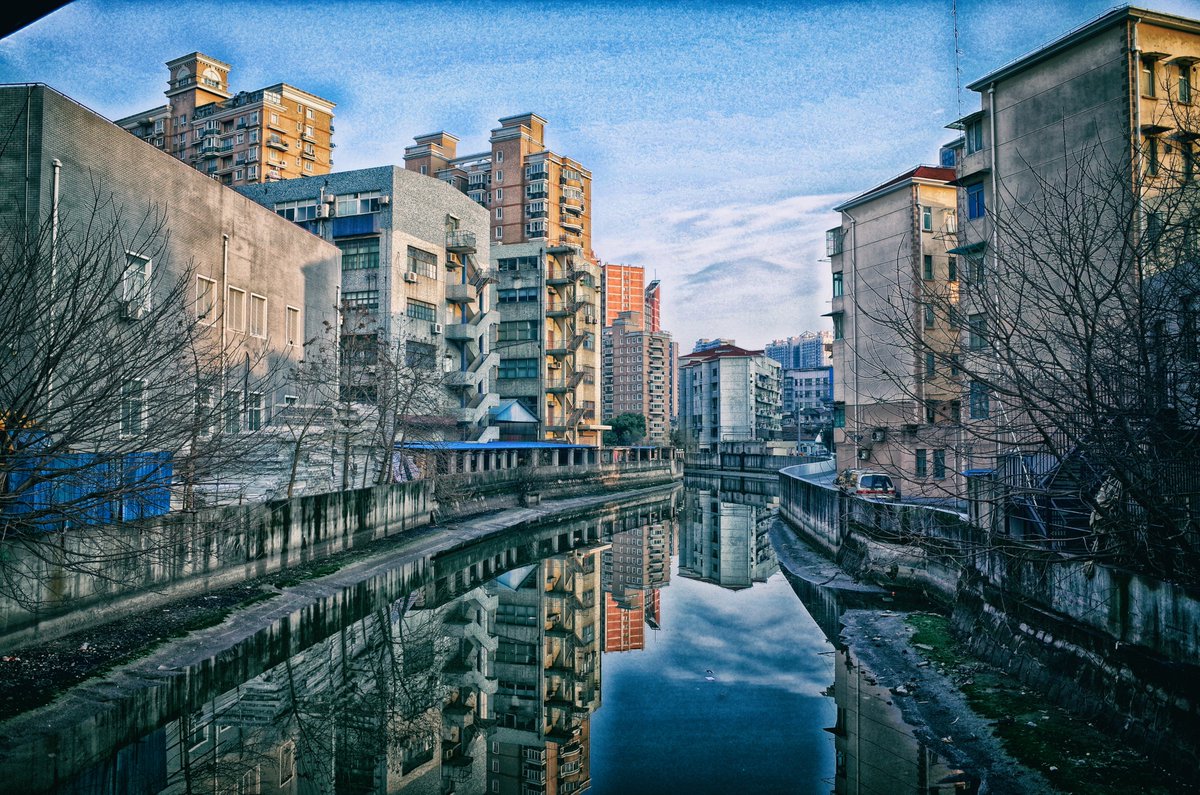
pixel 656 648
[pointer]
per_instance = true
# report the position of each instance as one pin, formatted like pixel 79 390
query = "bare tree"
pixel 116 404
pixel 1071 361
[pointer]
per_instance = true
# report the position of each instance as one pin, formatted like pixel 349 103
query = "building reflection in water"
pixel 876 751
pixel 637 566
pixel 723 538
pixel 483 678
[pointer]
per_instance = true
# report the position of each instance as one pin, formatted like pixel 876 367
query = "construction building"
pixel 272 133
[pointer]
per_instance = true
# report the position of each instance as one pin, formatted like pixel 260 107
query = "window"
pixel 839 415
pixel 231 408
pixel 499 232
pixel 419 310
pixel 359 349
pixel 425 170
pixel 422 262
pixel 235 309
pixel 254 411
pixel 518 263
pixel 499 155
pixel 1151 156
pixel 135 285
pixel 518 368
pixel 287 763
pixel 951 269
pixel 291 326
pixel 499 176
pixel 1185 83
pixel 358 203
pixel 499 194
pixel 133 406
pixel 361 299
pixel 954 365
pixel 927 266
pixel 979 408
pixel 252 172
pixel 920 469
pixel 206 299
pixel 974 135
pixel 238 175
pixel 1189 160
pixel 930 364
pixel 499 213
pixel 838 330
pixel 517 331
pixel 939 464
pixel 928 315
pixel 927 219
pixel 977 269
pixel 258 315
pixel 535 228
pixel 1148 77
pixel 838 288
pixel 976 331
pixel 931 411
pixel 360 253
pixel 976 206
pixel 517 295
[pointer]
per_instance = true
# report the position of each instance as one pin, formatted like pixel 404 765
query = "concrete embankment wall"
pixel 85 577
pixel 1118 645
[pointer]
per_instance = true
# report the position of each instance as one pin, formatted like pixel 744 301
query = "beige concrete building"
pixel 729 394
pixel 638 378
pixel 272 133
pixel 1107 110
pixel 895 391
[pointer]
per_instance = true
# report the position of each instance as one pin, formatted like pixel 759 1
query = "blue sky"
pixel 719 134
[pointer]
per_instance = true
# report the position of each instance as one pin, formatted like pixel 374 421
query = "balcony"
pixel 461 293
pixel 572 205
pixel 561 308
pixel 460 242
pixel 560 276
pixel 572 224
pixel 275 142
pixel 564 246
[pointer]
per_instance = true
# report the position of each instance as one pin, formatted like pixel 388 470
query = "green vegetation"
pixel 627 429
pixel 1073 755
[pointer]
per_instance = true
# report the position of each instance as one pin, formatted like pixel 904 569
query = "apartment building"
pixel 636 568
pixel 272 133
pixel 547 672
pixel 807 401
pixel 414 290
pixel 624 291
pixel 255 286
pixel 1102 121
pixel 895 330
pixel 539 203
pixel 638 378
pixel 729 394
pixel 804 351
pixel 724 540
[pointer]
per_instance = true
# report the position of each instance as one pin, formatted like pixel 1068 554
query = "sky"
pixel 719 134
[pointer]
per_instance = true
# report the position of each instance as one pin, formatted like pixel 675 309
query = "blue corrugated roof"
pixel 493 446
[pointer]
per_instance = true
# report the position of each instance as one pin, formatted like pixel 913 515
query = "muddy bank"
pixel 956 718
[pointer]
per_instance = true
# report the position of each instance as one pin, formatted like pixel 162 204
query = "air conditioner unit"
pixel 132 310
pixel 322 210
pixel 410 277
pixel 553 366
pixel 863 454
pixel 879 434
pixel 436 328
pixel 384 201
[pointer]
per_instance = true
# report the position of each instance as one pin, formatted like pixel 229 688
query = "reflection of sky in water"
pixel 757 728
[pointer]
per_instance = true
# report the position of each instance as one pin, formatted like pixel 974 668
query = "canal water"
pixel 656 648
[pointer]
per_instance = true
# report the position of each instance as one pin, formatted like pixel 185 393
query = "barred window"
pixel 361 299
pixel 518 368
pixel 516 295
pixel 518 330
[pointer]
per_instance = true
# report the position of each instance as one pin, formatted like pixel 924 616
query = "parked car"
pixel 867 483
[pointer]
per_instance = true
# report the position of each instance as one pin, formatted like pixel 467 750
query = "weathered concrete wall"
pixel 1121 646
pixel 93 577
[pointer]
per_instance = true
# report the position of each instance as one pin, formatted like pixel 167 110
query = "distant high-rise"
pixel 624 291
pixel 806 351
pixel 639 374
pixel 273 133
